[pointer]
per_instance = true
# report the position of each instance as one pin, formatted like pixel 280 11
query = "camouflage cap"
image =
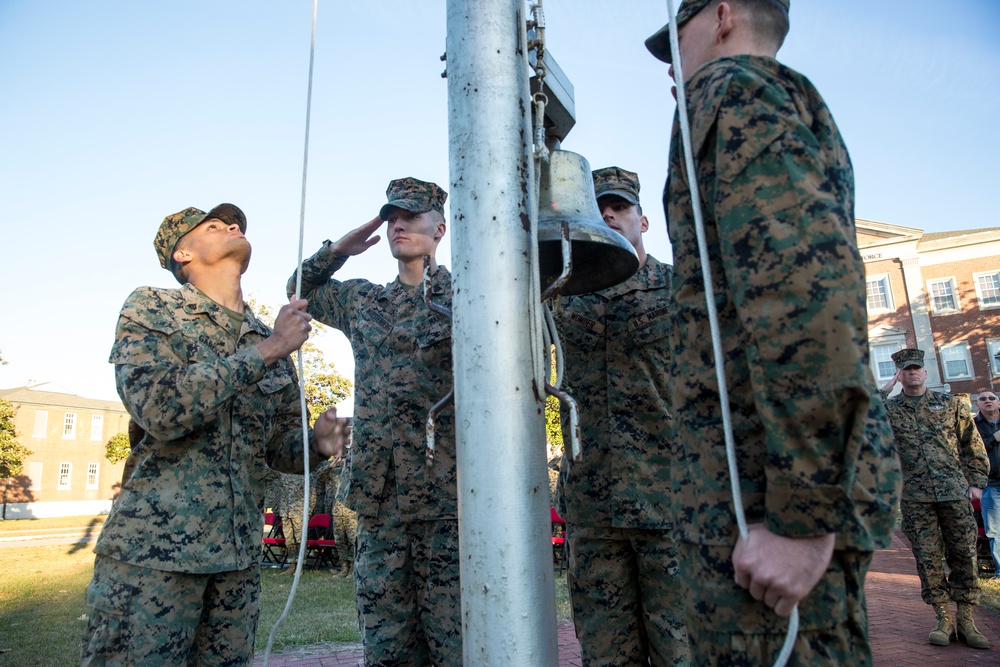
pixel 659 43
pixel 413 195
pixel 177 225
pixel 617 181
pixel 909 356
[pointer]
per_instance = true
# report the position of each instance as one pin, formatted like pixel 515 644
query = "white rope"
pixel 713 318
pixel 304 528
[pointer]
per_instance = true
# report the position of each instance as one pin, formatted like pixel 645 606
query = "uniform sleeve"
pixel 284 451
pixel 332 302
pixel 172 383
pixel 797 282
pixel 971 452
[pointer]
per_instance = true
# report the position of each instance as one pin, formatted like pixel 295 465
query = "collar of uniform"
pixel 195 301
pixel 251 319
pixel 440 283
pixel 652 275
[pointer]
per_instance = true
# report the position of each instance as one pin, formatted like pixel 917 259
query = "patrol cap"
pixel 178 224
pixel 659 43
pixel 909 356
pixel 616 181
pixel 413 195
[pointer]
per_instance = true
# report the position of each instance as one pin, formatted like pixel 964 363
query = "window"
pixel 65 470
pixel 92 475
pixel 885 367
pixel 993 349
pixel 879 294
pixel 942 294
pixel 35 476
pixel 41 423
pixel 69 426
pixel 956 361
pixel 97 427
pixel 988 289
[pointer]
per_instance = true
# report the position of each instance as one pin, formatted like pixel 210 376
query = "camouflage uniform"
pixel 181 547
pixel 942 456
pixel 814 448
pixel 406 566
pixel 344 520
pixel 622 559
pixel 292 488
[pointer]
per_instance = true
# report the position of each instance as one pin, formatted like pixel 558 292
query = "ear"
pixel 643 224
pixel 724 21
pixel 182 256
pixel 439 231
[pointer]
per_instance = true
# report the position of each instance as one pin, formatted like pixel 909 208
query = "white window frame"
pixel 992 348
pixel 69 426
pixel 65 478
pixel 97 427
pixel 963 348
pixel 979 292
pixel 35 475
pixel 876 352
pixel 93 471
pixel 882 278
pixel 41 424
pixel 954 294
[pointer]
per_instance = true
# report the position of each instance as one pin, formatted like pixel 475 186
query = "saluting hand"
pixel 358 240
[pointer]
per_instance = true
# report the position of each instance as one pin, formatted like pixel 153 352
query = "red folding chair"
pixel 273 543
pixel 558 538
pixel 320 545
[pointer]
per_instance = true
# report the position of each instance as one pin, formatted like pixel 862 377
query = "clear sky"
pixel 114 114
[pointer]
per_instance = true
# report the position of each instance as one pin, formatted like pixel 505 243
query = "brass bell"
pixel 600 257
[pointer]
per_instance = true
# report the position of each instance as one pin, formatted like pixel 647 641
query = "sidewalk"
pixel 898 620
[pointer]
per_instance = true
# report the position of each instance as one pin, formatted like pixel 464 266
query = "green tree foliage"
pixel 118 448
pixel 12 453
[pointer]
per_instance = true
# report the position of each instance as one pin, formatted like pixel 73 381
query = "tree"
pixel 118 448
pixel 12 453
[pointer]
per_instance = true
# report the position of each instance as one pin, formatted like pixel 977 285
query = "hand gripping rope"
pixel 302 389
pixel 713 319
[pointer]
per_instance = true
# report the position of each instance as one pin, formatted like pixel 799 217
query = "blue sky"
pixel 115 114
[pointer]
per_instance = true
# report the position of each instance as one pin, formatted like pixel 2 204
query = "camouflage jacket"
pixel 616 348
pixel 403 366
pixel 939 445
pixel 215 417
pixel 813 446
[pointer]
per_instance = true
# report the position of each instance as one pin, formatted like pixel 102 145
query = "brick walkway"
pixel 898 619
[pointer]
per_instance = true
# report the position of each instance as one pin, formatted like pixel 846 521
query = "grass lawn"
pixel 43 609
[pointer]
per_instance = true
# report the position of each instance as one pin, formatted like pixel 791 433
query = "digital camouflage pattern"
pixel 178 224
pixel 406 510
pixel 939 533
pixel 939 446
pixel 659 43
pixel 617 360
pixel 908 357
pixel 403 366
pixel 813 444
pixel 292 490
pixel 215 419
pixel 942 455
pixel 616 500
pixel 142 616
pixel 413 195
pixel 344 520
pixel 616 181
pixel 737 632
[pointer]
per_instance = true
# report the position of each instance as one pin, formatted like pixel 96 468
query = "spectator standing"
pixel 988 423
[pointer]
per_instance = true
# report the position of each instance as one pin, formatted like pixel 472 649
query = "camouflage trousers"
pixel 408 592
pixel 345 523
pixel 626 597
pixel 153 618
pixel 943 532
pixel 728 628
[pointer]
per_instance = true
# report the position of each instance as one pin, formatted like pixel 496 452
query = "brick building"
pixel 939 292
pixel 67 472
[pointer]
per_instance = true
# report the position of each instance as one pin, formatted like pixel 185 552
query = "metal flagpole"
pixel 508 603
